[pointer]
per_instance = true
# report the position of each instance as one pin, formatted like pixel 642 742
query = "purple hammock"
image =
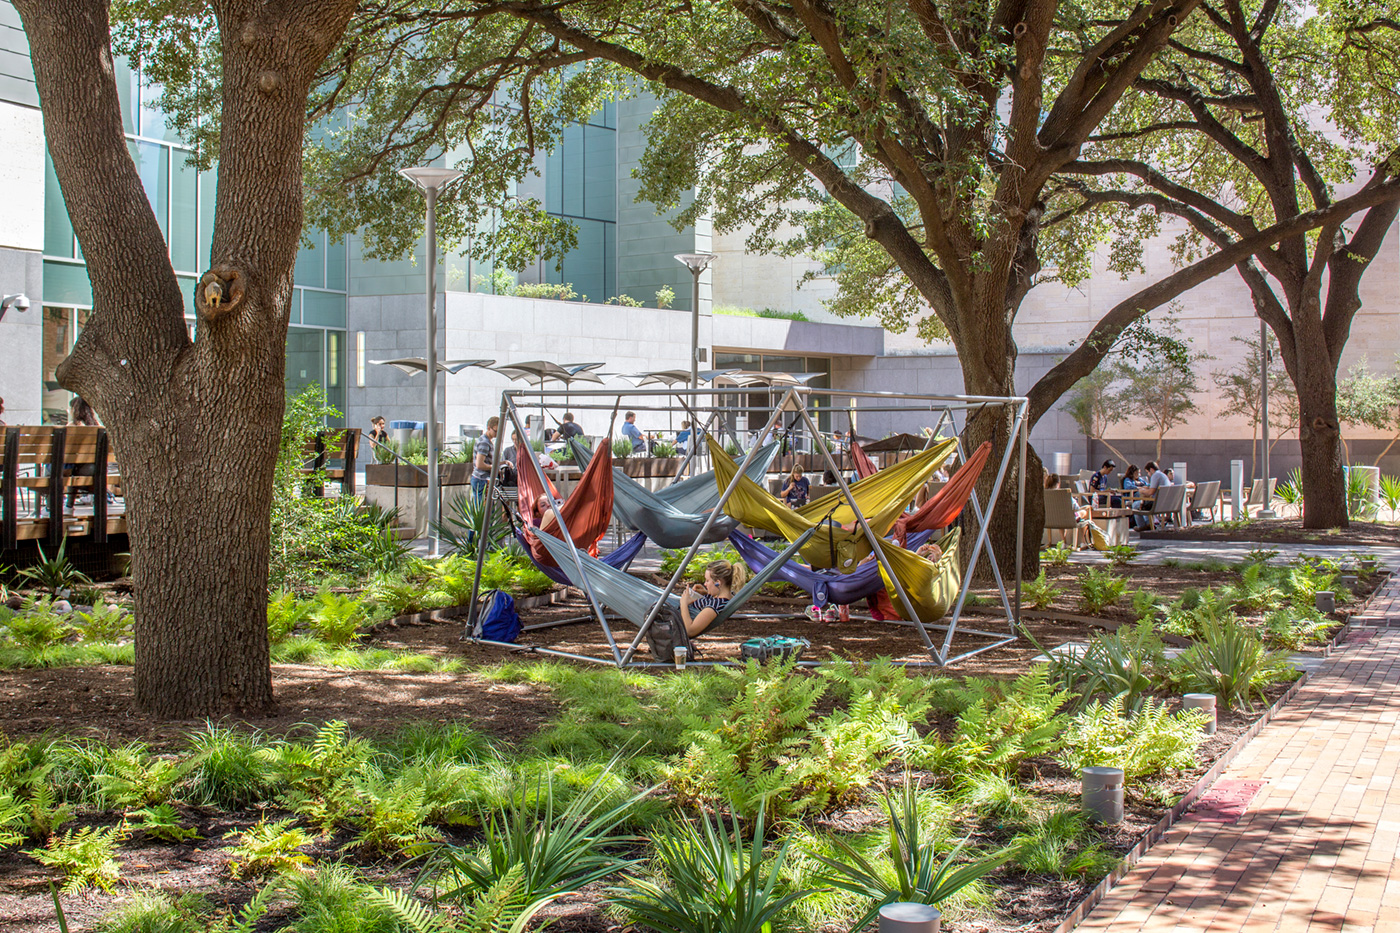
pixel 618 559
pixel 823 585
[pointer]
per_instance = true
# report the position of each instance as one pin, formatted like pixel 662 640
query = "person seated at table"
pixel 683 438
pixel 1093 533
pixel 1098 484
pixel 1131 478
pixel 796 490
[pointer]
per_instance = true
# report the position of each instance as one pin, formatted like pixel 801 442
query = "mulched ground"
pixel 1288 531
pixel 97 702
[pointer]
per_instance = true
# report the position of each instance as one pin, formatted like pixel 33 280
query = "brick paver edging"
pixel 1170 818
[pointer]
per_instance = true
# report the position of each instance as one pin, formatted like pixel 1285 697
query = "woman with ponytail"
pixel 702 602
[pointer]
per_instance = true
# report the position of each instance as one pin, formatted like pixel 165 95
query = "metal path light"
pixel 696 263
pixel 432 180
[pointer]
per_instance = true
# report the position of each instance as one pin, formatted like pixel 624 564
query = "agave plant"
pixel 714 884
pixel 462 520
pixel 919 877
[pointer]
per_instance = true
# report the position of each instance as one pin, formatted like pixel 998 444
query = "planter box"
pixel 651 467
pixel 449 474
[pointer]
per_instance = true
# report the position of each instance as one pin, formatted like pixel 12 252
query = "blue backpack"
pixel 499 621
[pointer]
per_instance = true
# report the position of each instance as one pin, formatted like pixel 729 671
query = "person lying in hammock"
pixel 701 603
pixel 930 552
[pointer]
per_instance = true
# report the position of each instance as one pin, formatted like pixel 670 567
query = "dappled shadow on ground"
pixel 99 702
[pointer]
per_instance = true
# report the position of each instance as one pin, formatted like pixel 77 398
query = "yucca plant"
pixel 462 520
pixel 1230 662
pixel 556 853
pixel 714 883
pixel 1390 494
pixel 622 448
pixel 664 449
pixel 919 876
pixel 1359 502
pixel 55 574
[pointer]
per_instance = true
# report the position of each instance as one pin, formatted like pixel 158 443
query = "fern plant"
pixel 1100 589
pixel 918 875
pixel 1056 555
pixel 1040 592
pixel 268 849
pixel 715 881
pixel 162 822
pixel 317 778
pixel 130 776
pixel 103 622
pixel 85 858
pixel 1255 590
pixel 1143 744
pixel 285 613
pixel 1121 555
pixel 1002 725
pixel 336 618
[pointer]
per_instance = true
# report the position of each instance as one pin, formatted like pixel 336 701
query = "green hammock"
pixel 931 585
pixel 882 499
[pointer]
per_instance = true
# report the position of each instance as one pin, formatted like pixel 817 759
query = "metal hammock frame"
pixel 794 400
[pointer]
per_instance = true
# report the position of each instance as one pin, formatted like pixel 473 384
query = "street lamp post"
pixel 696 263
pixel 1268 510
pixel 431 180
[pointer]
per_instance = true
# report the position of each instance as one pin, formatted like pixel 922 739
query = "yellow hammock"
pixel 882 499
pixel 931 585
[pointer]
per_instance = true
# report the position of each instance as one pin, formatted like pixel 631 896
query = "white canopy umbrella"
pixel 416 364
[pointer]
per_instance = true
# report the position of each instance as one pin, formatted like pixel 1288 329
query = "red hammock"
pixel 947 504
pixel 864 465
pixel 527 489
pixel 586 512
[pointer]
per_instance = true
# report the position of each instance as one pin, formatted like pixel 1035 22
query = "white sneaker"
pixel 814 613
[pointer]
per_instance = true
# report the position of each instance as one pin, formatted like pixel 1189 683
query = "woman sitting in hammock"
pixel 702 602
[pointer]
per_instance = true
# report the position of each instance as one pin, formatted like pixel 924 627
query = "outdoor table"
pixel 1114 523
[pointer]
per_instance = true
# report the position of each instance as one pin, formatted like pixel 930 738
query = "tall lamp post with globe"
pixel 432 180
pixel 696 263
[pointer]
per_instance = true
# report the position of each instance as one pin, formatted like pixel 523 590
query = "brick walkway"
pixel 1318 848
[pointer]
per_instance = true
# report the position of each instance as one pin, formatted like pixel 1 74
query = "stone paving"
pixel 1318 846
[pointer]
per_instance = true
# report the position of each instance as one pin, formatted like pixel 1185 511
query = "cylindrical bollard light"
pixel 1103 794
pixel 1205 701
pixel 1325 600
pixel 903 917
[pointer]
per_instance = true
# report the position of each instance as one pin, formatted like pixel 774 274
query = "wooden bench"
pixel 50 461
pixel 342 446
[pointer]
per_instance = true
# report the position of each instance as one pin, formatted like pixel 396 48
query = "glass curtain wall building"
pixel 182 199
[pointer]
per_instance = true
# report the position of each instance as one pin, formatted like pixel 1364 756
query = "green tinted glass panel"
pixel 187 286
pixel 153 165
pixel 206 217
pixel 599 173
pixel 294 312
pixel 66 284
pixel 335 265
pixel 58 232
pixel 128 92
pixel 305 359
pixel 324 309
pixel 184 219
pixel 311 261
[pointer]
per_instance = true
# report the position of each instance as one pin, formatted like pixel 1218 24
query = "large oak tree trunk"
pixel 195 424
pixel 991 370
pixel 1324 487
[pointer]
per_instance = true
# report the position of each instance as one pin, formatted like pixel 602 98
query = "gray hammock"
pixel 673 517
pixel 632 597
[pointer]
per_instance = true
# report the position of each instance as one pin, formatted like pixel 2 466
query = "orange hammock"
pixel 947 504
pixel 586 512
pixel 527 490
pixel 864 465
